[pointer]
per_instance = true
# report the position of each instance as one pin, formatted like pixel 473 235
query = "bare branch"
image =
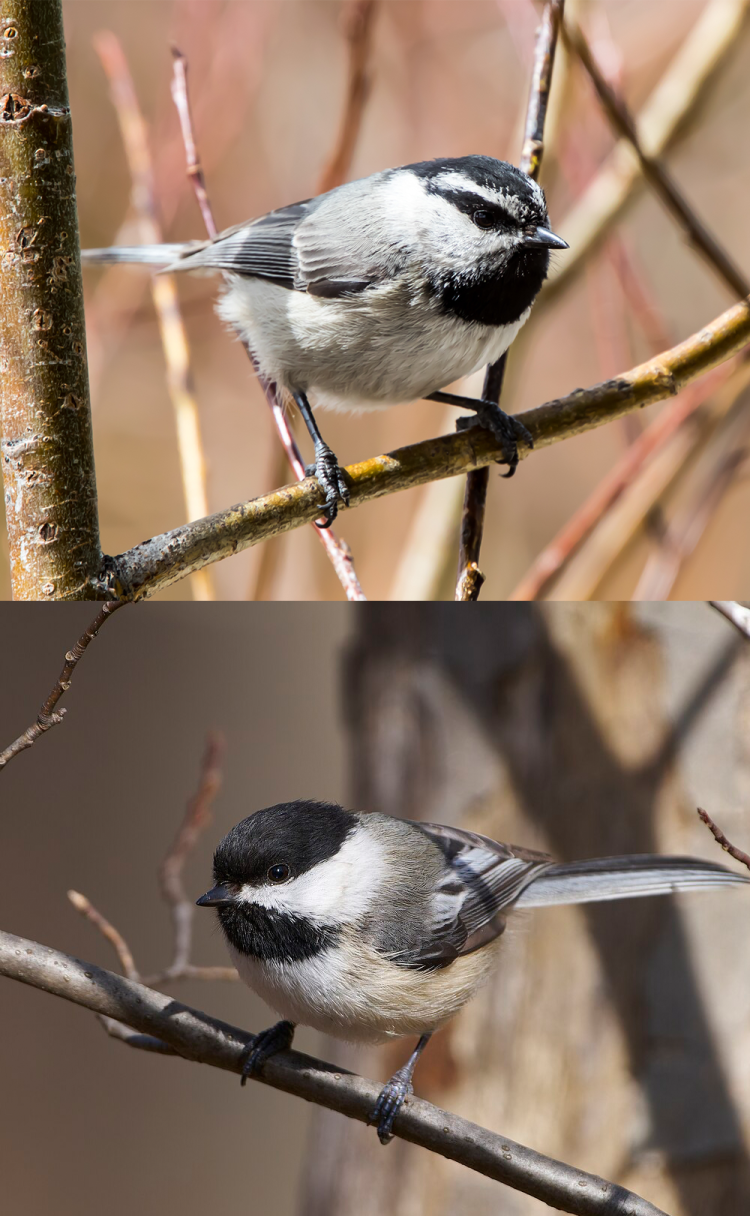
pixel 738 614
pixel 48 716
pixel 107 930
pixel 359 20
pixel 200 1038
pixel 720 838
pixel 164 559
pixel 338 551
pixel 654 171
pixel 470 577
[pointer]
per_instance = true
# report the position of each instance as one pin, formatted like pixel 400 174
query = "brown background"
pixel 580 731
pixel 448 77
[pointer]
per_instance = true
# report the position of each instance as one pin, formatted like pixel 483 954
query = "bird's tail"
pixel 146 255
pixel 604 878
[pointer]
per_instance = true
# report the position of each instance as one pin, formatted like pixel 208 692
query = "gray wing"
pixel 319 246
pixel 483 879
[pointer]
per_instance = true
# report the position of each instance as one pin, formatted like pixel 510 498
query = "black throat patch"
pixel 501 297
pixel 274 937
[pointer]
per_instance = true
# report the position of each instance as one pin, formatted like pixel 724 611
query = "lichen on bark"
pixel 45 416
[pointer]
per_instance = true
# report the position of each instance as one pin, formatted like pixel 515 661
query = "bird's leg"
pixel 393 1094
pixel 326 468
pixel 265 1045
pixel 504 426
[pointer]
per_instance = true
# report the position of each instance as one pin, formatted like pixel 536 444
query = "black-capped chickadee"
pixel 367 927
pixel 381 291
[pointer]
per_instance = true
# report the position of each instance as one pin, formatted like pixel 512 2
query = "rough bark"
pixel 45 416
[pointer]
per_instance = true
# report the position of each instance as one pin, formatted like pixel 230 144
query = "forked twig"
pixel 48 715
pixel 338 551
pixel 470 577
pixel 720 838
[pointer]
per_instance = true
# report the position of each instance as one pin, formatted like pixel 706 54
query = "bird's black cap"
pixel 299 834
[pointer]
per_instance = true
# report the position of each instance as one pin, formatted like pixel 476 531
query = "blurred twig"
pixel 359 24
pixel 338 551
pixel 470 577
pixel 196 819
pixel 664 116
pixel 738 614
pixel 654 171
pixel 48 715
pixel 164 559
pixel 166 302
pixel 720 838
pixel 196 1036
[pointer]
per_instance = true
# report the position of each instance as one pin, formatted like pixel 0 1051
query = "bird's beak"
pixel 542 238
pixel 217 897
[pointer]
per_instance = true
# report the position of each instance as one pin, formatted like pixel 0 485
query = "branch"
pixel 654 172
pixel 45 408
pixel 162 560
pixel 338 551
pixel 202 1039
pixel 720 838
pixel 470 577
pixel 48 716
pixel 163 291
pixel 738 614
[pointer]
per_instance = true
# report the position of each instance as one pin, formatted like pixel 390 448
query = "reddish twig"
pixel 654 171
pixel 360 19
pixel 470 578
pixel 720 838
pixel 338 551
pixel 48 716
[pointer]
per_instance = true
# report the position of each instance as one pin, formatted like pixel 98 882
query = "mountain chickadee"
pixel 368 927
pixel 381 291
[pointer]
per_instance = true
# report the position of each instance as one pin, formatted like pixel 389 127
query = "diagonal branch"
pixel 654 171
pixel 202 1039
pixel 162 560
pixel 48 715
pixel 720 838
pixel 470 577
pixel 738 614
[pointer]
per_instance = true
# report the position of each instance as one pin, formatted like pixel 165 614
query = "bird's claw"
pixel 330 478
pixel 392 1097
pixel 264 1045
pixel 504 427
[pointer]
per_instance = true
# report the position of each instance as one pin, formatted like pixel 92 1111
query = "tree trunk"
pixel 595 1041
pixel 45 414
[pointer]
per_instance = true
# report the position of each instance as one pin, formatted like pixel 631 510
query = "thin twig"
pixel 196 1036
pixel 48 716
pixel 470 577
pixel 162 560
pixel 163 291
pixel 720 838
pixel 196 819
pixel 107 930
pixel 338 551
pixel 654 171
pixel 359 24
pixel 738 614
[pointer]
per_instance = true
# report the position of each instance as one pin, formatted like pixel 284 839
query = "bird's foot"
pixel 330 477
pixel 392 1097
pixel 265 1045
pixel 504 427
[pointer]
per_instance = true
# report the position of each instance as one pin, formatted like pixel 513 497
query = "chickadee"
pixel 381 291
pixel 368 927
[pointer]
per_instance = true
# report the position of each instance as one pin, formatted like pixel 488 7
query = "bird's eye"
pixel 280 872
pixel 483 219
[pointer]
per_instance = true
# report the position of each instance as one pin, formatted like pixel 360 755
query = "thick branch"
pixel 156 563
pixel 198 1037
pixel 45 411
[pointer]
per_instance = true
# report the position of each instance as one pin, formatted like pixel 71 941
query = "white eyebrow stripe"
pixel 452 179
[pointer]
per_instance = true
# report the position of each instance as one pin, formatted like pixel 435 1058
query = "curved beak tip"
pixel 542 238
pixel 217 897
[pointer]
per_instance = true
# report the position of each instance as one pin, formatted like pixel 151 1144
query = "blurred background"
pixel 269 83
pixel 614 1038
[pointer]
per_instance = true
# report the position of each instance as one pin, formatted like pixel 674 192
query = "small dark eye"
pixel 280 872
pixel 483 219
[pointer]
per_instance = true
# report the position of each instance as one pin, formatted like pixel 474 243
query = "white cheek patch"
pixel 337 890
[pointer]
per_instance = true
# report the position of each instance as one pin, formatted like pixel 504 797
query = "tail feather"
pixel 146 255
pixel 605 878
